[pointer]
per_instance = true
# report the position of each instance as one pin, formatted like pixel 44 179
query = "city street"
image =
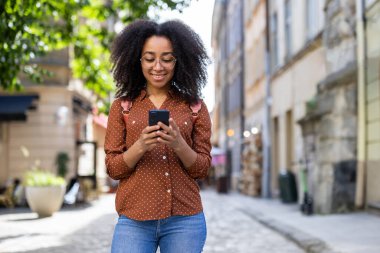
pixel 89 229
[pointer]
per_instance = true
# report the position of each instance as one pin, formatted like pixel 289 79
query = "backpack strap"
pixel 195 108
pixel 126 105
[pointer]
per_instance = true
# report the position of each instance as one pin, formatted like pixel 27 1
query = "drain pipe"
pixel 266 179
pixel 361 132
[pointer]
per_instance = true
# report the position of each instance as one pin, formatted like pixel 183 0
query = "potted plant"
pixel 44 192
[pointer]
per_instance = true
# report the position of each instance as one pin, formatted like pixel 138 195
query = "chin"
pixel 159 84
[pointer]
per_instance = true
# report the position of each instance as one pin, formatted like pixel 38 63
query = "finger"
pixel 163 135
pixel 151 142
pixel 173 124
pixel 151 135
pixel 163 141
pixel 164 127
pixel 149 129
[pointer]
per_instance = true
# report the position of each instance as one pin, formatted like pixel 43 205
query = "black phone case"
pixel 158 115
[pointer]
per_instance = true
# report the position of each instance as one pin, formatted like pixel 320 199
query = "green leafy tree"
pixel 31 28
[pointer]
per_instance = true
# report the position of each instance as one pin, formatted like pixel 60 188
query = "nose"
pixel 157 65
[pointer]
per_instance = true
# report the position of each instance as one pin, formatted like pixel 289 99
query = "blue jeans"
pixel 176 234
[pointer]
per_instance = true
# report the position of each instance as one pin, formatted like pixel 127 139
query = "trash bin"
pixel 222 184
pixel 288 188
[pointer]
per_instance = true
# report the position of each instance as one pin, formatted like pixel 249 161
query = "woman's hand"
pixel 148 138
pixel 170 135
pixel 146 142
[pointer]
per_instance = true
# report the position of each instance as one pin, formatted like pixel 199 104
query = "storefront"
pixel 39 124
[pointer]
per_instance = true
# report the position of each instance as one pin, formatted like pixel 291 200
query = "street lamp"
pixel 254 130
pixel 230 132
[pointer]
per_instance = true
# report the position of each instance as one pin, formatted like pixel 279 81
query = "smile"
pixel 158 77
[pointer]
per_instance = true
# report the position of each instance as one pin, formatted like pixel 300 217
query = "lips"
pixel 158 77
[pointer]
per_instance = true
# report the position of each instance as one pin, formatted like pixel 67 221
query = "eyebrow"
pixel 163 54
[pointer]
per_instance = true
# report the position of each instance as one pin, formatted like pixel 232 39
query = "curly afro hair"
pixel 190 74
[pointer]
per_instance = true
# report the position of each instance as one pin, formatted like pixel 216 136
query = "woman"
pixel 158 66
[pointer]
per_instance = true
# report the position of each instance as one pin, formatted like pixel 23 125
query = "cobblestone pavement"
pixel 89 229
pixel 230 230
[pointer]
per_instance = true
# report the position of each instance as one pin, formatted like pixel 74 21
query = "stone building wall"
pixel 333 118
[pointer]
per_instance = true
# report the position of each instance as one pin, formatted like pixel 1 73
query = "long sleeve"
pixel 201 144
pixel 115 143
pixel 159 185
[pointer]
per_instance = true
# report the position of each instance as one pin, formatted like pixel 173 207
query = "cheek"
pixel 171 74
pixel 145 73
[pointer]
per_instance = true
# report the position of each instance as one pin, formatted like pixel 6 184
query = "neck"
pixel 157 92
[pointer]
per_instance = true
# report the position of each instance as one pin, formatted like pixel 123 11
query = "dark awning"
pixel 14 107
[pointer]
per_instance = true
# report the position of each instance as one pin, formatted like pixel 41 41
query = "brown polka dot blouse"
pixel 159 185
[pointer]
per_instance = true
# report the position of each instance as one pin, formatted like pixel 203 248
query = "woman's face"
pixel 157 61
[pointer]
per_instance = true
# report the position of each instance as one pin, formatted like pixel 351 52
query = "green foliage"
pixel 42 178
pixel 31 28
pixel 311 104
pixel 61 161
pixel 105 108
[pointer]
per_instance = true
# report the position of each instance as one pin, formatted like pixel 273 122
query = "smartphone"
pixel 158 115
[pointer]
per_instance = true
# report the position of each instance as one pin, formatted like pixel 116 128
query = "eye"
pixel 167 60
pixel 149 59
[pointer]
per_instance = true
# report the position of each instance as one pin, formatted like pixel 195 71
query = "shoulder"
pixel 202 106
pixel 117 102
pixel 116 106
pixel 203 115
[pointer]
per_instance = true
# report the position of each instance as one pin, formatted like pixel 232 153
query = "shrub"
pixel 42 178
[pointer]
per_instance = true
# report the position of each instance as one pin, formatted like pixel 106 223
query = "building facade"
pixel 323 94
pixel 297 64
pixel 61 121
pixel 368 174
pixel 229 55
pixel 254 65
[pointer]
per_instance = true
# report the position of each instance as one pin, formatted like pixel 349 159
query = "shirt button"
pixel 168 191
pixel 164 157
pixel 166 174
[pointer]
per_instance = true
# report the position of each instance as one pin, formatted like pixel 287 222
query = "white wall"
pixel 41 134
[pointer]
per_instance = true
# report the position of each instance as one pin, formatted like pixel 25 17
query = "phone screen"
pixel 158 115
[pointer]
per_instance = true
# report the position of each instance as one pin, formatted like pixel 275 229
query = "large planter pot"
pixel 45 200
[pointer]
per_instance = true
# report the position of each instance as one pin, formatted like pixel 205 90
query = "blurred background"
pixel 293 94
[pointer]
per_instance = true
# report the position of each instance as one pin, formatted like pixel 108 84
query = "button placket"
pixel 166 172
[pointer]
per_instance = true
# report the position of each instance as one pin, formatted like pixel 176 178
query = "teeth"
pixel 158 77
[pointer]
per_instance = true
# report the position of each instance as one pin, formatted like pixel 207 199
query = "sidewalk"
pixel 89 228
pixel 231 221
pixel 84 228
pixel 344 233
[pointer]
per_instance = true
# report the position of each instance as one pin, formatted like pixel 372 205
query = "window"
pixel 274 40
pixel 235 30
pixel 311 18
pixel 288 28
